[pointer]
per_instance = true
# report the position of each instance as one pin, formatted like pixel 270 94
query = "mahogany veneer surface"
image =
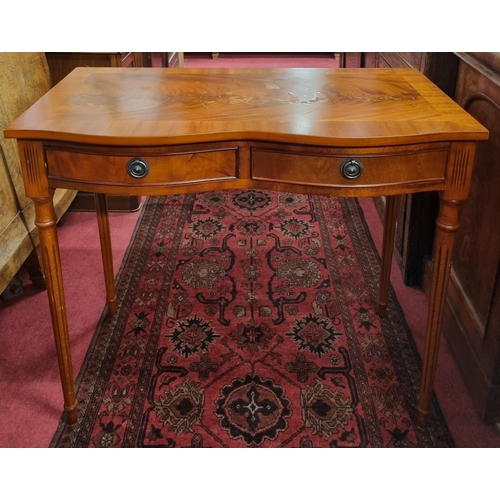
pixel 331 107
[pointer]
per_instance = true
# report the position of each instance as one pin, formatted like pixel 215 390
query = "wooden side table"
pixel 360 132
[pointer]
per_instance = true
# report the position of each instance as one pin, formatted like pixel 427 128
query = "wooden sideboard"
pixel 62 63
pixel 416 212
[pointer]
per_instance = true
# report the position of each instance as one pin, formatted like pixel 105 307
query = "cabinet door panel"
pixel 477 249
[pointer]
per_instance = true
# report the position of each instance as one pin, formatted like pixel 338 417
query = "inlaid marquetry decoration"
pixel 305 106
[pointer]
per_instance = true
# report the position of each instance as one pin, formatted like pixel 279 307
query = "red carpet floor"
pixel 246 319
pixel 30 393
pixel 251 60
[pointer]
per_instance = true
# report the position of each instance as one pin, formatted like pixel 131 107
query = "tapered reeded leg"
pixel 446 227
pixel 49 248
pixel 391 211
pixel 107 254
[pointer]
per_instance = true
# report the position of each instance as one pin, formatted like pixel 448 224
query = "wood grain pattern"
pixel 324 170
pixel 169 168
pixel 331 107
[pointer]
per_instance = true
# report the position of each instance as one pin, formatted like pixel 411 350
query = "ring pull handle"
pixel 351 169
pixel 137 168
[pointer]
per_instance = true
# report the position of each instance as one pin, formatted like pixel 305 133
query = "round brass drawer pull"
pixel 351 169
pixel 137 168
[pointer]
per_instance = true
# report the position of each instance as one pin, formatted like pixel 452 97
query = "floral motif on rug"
pixel 247 318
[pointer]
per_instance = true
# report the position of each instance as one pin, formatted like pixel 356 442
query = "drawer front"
pixel 330 171
pixel 170 169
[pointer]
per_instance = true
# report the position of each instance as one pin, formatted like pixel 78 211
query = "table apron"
pixel 208 167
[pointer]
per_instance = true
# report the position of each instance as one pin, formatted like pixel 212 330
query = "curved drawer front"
pixel 334 170
pixel 169 169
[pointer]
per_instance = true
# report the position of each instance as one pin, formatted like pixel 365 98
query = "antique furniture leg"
pixel 446 227
pixel 106 250
pixel 458 177
pixel 391 209
pixel 49 246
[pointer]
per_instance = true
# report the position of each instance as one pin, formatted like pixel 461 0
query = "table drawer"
pixel 169 169
pixel 328 170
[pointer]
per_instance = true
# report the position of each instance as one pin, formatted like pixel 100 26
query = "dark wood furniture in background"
pixel 416 212
pixel 62 63
pixel 211 129
pixel 471 321
pixel 163 59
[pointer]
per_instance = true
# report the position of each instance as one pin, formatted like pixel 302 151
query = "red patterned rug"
pixel 247 319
